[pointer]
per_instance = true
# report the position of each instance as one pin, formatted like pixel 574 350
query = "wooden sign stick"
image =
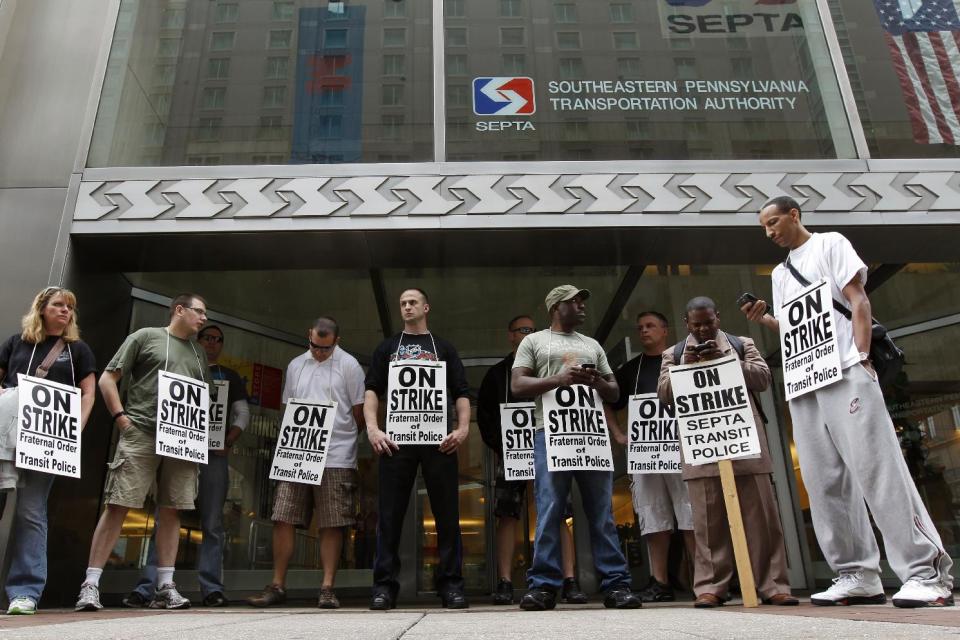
pixel 732 501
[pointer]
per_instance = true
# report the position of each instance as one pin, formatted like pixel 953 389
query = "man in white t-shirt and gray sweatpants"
pixel 846 441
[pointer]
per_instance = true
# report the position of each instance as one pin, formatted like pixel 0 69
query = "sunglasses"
pixel 209 337
pixel 321 348
pixel 524 330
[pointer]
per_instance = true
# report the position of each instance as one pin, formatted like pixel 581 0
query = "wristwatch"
pixel 864 357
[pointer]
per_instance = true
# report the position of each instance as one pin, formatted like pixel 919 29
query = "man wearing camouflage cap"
pixel 545 360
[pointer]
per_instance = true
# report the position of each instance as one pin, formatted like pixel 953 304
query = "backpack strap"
pixel 737 345
pixel 842 310
pixel 678 351
pixel 44 368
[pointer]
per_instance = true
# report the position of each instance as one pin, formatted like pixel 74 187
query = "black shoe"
pixel 135 601
pixel 622 598
pixel 215 599
pixel 454 600
pixel 656 591
pixel 538 600
pixel 571 593
pixel 504 592
pixel 381 602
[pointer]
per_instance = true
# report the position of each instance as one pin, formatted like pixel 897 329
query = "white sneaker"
pixel 22 606
pixel 89 599
pixel 851 588
pixel 915 593
pixel 167 597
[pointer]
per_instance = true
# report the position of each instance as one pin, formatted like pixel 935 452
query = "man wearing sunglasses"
pixel 211 490
pixel 324 373
pixel 509 495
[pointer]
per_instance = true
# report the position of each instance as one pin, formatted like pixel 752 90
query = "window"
pixel 160 102
pixel 267 159
pixel 392 95
pixel 395 64
pixel 629 67
pixel 394 37
pixel 681 44
pixel 511 8
pixel 512 36
pixel 326 126
pixel 624 40
pixel 458 129
pixel 166 74
pixel 282 11
pixel 571 68
pixel 274 96
pixel 335 38
pixel 565 13
pixel 456 65
pixel 154 134
pixel 456 36
pixel 568 39
pixel 279 39
pixel 686 68
pixel 226 12
pixel 221 40
pixel 458 95
pixel 271 128
pixel 218 68
pixel 392 126
pixel 514 64
pixel 168 47
pixel 620 12
pixel 575 130
pixel 213 98
pixel 638 129
pixel 173 18
pixel 209 129
pixel 394 9
pixel 454 8
pixel 278 68
pixel 330 96
pixel 741 67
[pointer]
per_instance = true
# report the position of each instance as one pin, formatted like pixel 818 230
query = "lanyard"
pixel 636 384
pixel 166 360
pixel 436 354
pixel 73 374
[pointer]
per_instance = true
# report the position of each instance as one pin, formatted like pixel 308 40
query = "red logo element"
pixel 328 72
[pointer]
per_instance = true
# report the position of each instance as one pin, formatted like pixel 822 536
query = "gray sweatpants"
pixel 849 453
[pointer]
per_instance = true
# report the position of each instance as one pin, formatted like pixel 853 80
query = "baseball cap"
pixel 563 293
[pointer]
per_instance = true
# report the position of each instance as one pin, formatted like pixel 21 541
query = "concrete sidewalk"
pixel 660 622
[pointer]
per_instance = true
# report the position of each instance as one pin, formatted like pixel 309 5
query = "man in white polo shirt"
pixel 324 372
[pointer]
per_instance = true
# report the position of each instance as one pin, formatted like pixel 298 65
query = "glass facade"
pixel 190 82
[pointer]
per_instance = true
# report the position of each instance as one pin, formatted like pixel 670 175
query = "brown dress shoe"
pixel 708 601
pixel 272 594
pixel 781 600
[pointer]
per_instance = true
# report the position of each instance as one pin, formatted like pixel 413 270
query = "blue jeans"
pixel 28 558
pixel 211 496
pixel 552 491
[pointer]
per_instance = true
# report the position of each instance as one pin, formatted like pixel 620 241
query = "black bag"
pixel 886 357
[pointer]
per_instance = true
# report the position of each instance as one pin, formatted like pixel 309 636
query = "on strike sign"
pixel 811 357
pixel 218 414
pixel 302 443
pixel 182 417
pixel 417 402
pixel 576 430
pixel 48 432
pixel 713 410
pixel 652 443
pixel 517 426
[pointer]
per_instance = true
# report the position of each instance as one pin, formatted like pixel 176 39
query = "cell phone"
pixel 703 345
pixel 749 298
pixel 588 365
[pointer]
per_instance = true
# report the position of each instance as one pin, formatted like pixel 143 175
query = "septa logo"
pixel 503 96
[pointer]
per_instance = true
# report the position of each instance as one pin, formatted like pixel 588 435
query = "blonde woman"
pixel 49 326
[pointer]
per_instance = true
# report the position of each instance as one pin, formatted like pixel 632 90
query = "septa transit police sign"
pixel 48 427
pixel 302 443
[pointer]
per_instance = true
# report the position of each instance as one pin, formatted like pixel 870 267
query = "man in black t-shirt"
pixel 657 498
pixel 398 464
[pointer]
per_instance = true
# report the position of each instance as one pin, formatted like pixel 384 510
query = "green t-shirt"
pixel 546 352
pixel 140 359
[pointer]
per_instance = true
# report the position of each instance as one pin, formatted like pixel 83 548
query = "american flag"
pixel 924 41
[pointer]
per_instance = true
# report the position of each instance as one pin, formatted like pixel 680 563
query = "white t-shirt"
pixel 830 256
pixel 339 378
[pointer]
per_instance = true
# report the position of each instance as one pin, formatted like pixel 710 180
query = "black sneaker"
pixel 571 593
pixel 215 599
pixel 538 600
pixel 656 591
pixel 135 601
pixel 504 592
pixel 622 598
pixel 381 602
pixel 454 599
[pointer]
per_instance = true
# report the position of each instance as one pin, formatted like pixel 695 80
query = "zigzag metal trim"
pixel 497 194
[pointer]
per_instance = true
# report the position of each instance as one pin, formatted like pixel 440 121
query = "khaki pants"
pixel 136 468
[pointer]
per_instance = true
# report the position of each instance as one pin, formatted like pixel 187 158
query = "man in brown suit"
pixel 714 560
